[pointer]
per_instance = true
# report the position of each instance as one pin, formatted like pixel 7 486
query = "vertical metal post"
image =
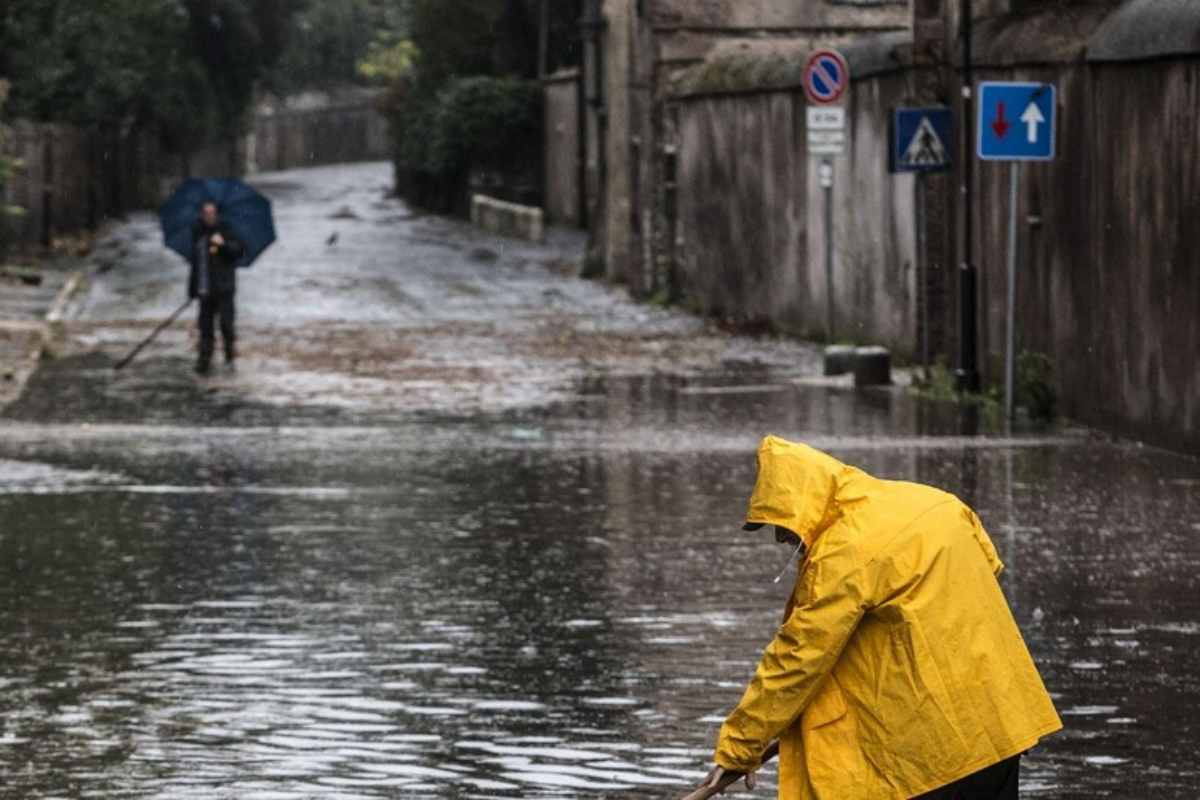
pixel 1014 191
pixel 968 366
pixel 922 272
pixel 826 176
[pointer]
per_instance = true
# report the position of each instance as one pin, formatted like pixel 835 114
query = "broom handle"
pixel 150 338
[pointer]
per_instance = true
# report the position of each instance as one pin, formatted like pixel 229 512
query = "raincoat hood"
pixel 798 488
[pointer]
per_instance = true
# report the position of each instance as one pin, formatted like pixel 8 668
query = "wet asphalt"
pixel 463 525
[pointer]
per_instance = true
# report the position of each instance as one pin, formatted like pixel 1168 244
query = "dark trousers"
pixel 997 782
pixel 211 307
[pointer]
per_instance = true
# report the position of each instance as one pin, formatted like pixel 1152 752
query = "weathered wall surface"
pixel 751 216
pixel 1108 284
pixel 689 31
pixel 642 45
pixel 71 179
pixel 341 129
pixel 788 15
pixel 618 238
pixel 743 237
pixel 562 141
pixel 874 240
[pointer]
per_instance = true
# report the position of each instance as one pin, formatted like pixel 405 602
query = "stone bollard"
pixel 839 359
pixel 872 366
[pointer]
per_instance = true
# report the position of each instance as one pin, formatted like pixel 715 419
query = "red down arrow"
pixel 1000 125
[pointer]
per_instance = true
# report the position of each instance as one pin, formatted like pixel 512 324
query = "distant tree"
pixel 565 48
pixel 328 40
pixel 463 48
pixel 473 82
pixel 77 61
pixel 388 60
pixel 237 41
pixel 491 37
pixel 184 67
pixel 515 47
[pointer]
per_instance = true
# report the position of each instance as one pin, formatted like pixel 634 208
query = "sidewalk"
pixel 32 303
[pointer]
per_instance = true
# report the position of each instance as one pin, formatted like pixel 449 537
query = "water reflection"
pixel 546 604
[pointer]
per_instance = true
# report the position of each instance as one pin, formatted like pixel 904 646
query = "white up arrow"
pixel 1032 118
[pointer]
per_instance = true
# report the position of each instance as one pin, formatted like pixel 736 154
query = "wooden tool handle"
pixel 730 778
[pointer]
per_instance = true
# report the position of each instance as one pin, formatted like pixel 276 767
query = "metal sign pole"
pixel 826 79
pixel 826 174
pixel 968 324
pixel 922 272
pixel 1014 191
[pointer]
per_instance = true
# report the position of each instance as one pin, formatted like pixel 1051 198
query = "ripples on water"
pixel 200 640
pixel 447 613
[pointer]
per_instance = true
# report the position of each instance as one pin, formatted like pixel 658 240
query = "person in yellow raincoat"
pixel 899 671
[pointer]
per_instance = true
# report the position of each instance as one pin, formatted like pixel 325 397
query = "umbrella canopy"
pixel 241 207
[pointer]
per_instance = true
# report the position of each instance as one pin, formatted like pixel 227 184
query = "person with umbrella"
pixel 898 671
pixel 216 251
pixel 219 226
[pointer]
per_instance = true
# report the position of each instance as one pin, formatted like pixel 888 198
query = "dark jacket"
pixel 222 264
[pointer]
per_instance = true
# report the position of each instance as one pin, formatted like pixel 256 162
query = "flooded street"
pixel 462 525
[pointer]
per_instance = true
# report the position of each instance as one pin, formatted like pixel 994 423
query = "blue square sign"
pixel 1016 121
pixel 922 139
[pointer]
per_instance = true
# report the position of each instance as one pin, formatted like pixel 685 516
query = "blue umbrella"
pixel 241 207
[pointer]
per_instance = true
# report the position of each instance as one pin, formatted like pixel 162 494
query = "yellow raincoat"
pixel 898 668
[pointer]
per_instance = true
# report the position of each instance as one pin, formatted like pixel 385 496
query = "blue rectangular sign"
pixel 922 139
pixel 1016 121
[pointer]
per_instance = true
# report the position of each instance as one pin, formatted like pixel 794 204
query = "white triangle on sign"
pixel 926 148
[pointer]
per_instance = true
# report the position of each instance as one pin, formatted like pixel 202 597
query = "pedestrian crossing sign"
pixel 922 140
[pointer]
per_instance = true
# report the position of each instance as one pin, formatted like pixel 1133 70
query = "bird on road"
pixel 332 240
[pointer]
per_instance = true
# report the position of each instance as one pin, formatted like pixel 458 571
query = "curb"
pixel 58 309
pixel 42 334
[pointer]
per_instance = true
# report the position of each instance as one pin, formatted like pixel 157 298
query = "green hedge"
pixel 470 123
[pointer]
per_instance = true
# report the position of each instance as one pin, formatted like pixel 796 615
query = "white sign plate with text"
pixel 826 130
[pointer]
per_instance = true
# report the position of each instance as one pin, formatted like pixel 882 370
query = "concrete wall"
pixel 71 178
pixel 743 225
pixel 563 199
pixel 334 131
pixel 508 219
pixel 1107 288
pixel 751 217
pixel 689 31
pixel 1108 283
pixel 782 15
pixel 619 245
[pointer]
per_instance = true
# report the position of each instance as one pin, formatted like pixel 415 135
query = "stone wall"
pixel 751 217
pixel 71 179
pixel 1107 279
pixel 563 180
pixel 316 129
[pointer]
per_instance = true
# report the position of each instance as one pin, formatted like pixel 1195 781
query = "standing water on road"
pixel 462 526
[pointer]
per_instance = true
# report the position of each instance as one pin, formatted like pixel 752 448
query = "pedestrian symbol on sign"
pixel 921 140
pixel 926 148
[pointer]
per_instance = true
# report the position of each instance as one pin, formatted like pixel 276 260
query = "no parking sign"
pixel 826 76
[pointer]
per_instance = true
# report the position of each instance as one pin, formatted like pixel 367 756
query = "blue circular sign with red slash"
pixel 826 76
